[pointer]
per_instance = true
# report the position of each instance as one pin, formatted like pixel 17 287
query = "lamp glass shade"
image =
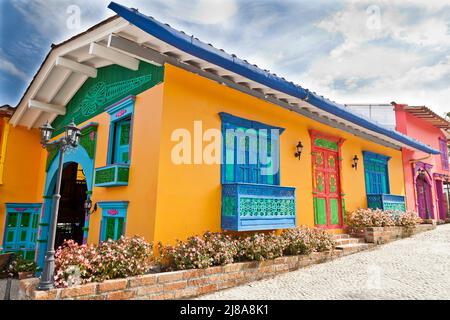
pixel 46 132
pixel 70 131
pixel 88 204
pixel 77 139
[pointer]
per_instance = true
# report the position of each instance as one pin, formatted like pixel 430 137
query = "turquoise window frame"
pixel 230 121
pixel 120 112
pixel 377 181
pixel 113 210
pixel 26 247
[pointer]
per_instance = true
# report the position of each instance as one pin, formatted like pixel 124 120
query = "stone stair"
pixel 348 244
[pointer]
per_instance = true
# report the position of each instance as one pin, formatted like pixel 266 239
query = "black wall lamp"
pixel 88 206
pixel 299 148
pixel 355 162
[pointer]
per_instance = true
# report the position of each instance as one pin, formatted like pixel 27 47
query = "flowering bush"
pixel 408 219
pixel 213 249
pixel 321 240
pixel 192 254
pixel 79 264
pixel 260 246
pixel 222 247
pixel 84 258
pixel 298 241
pixel 364 218
pixel 124 258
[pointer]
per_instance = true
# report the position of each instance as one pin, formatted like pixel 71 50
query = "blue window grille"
pixel 114 215
pixel 376 173
pixel 251 151
pixel 21 229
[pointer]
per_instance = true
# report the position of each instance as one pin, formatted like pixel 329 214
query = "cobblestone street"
pixel 412 268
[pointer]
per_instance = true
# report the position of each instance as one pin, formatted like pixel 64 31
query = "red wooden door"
pixel 327 193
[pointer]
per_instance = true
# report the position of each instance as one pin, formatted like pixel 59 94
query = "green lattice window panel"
pixel 261 207
pixel 88 139
pixel 112 176
pixel 386 202
pixel 112 84
pixel 248 207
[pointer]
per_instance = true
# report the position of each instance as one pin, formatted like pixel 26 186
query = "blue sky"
pixel 349 51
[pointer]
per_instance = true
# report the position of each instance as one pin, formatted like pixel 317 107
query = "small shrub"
pixel 260 246
pixel 298 241
pixel 192 254
pixel 123 258
pixel 71 254
pixel 408 220
pixel 79 264
pixel 322 241
pixel 19 264
pixel 222 248
pixel 364 218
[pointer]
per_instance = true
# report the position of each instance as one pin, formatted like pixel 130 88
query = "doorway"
pixel 442 205
pixel 327 193
pixel 71 215
pixel 424 197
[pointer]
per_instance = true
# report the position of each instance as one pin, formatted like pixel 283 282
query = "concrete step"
pixel 352 247
pixel 341 236
pixel 348 241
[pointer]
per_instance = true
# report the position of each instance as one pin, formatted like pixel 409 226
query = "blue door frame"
pixel 80 156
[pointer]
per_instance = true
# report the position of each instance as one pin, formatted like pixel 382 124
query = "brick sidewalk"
pixel 412 268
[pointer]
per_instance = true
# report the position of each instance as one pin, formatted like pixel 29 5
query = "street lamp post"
pixel 70 140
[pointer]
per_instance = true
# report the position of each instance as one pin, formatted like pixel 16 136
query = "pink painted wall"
pixel 423 131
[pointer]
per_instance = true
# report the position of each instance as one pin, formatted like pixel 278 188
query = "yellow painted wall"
pixel 141 189
pixel 168 201
pixel 24 180
pixel 23 170
pixel 189 196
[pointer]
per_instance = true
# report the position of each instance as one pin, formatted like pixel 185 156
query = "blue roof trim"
pixel 204 51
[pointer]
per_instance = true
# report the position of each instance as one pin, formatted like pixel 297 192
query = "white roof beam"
pixel 76 67
pixel 134 50
pixel 114 56
pixel 47 107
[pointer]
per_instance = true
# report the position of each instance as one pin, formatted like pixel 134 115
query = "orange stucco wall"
pixel 189 196
pixel 169 201
pixel 23 171
pixel 141 190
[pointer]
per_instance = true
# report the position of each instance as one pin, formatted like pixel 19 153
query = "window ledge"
pixel 249 207
pixel 114 175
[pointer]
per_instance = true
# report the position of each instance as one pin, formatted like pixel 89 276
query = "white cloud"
pixel 401 61
pixel 11 69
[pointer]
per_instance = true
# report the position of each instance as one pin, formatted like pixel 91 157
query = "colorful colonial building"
pixel 426 175
pixel 178 138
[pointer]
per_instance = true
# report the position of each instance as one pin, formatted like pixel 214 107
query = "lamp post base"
pixel 47 275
